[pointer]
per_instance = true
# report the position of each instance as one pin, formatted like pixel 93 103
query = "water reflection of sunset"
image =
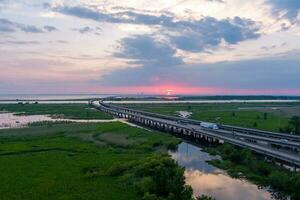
pixel 221 186
pixel 209 180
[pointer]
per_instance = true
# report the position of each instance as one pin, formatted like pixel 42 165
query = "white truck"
pixel 209 125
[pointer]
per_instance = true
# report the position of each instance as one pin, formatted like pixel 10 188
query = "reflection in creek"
pixel 209 180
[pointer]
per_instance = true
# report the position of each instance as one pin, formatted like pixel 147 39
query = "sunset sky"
pixel 203 47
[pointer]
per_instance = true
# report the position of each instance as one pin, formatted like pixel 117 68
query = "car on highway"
pixel 284 140
pixel 182 122
pixel 209 125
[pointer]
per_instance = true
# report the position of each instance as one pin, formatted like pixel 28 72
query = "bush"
pixel 262 168
pixel 148 196
pixel 156 177
pixel 295 186
pixel 280 180
pixel 255 124
pixel 145 185
pixel 172 146
pixel 204 197
pixel 117 169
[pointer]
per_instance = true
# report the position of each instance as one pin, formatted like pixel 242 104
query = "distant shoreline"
pixel 146 98
pixel 146 101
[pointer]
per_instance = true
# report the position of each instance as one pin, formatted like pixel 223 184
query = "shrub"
pixel 204 197
pixel 156 177
pixel 172 146
pixel 117 169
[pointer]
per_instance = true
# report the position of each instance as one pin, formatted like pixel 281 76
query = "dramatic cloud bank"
pixel 189 35
pixel 195 47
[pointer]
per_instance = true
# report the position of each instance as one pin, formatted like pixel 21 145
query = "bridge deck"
pixel 224 135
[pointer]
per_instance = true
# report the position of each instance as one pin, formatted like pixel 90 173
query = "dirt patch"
pixel 184 114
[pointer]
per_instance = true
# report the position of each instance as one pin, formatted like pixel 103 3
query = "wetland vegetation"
pixel 89 161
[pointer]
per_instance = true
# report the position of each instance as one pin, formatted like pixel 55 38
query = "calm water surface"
pixel 209 180
pixel 200 101
pixel 10 120
pixel 50 96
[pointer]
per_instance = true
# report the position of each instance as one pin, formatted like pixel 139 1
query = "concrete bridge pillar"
pixel 173 129
pixel 166 127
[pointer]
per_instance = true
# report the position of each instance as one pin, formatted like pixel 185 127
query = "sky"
pixel 194 47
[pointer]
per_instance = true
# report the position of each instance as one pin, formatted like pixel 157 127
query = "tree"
pixel 265 116
pixel 286 129
pixel 233 114
pixel 295 123
pixel 255 124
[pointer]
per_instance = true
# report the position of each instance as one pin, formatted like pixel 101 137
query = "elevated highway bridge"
pixel 277 146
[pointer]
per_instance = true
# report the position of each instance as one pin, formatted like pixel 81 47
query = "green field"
pixel 249 115
pixel 70 111
pixel 83 161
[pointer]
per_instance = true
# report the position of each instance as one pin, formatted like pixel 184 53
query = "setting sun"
pixel 169 92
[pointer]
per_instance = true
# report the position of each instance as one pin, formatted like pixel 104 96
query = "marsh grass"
pixel 56 162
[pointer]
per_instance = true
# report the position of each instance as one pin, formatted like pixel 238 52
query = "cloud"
pixel 31 42
pixel 30 29
pixel 290 7
pixel 210 32
pixel 7 26
pixel 247 74
pixel 87 29
pixel 2 2
pixel 274 46
pixel 84 30
pixel 218 1
pixel 149 55
pixel 19 42
pixel 147 51
pixel 268 48
pixel 190 35
pixel 50 28
pixel 62 41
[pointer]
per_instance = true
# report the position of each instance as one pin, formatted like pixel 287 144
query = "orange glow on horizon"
pixel 169 92
pixel 189 90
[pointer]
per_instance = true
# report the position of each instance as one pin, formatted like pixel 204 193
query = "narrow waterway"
pixel 209 180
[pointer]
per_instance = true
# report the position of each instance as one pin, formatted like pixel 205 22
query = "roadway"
pixel 283 139
pixel 224 135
